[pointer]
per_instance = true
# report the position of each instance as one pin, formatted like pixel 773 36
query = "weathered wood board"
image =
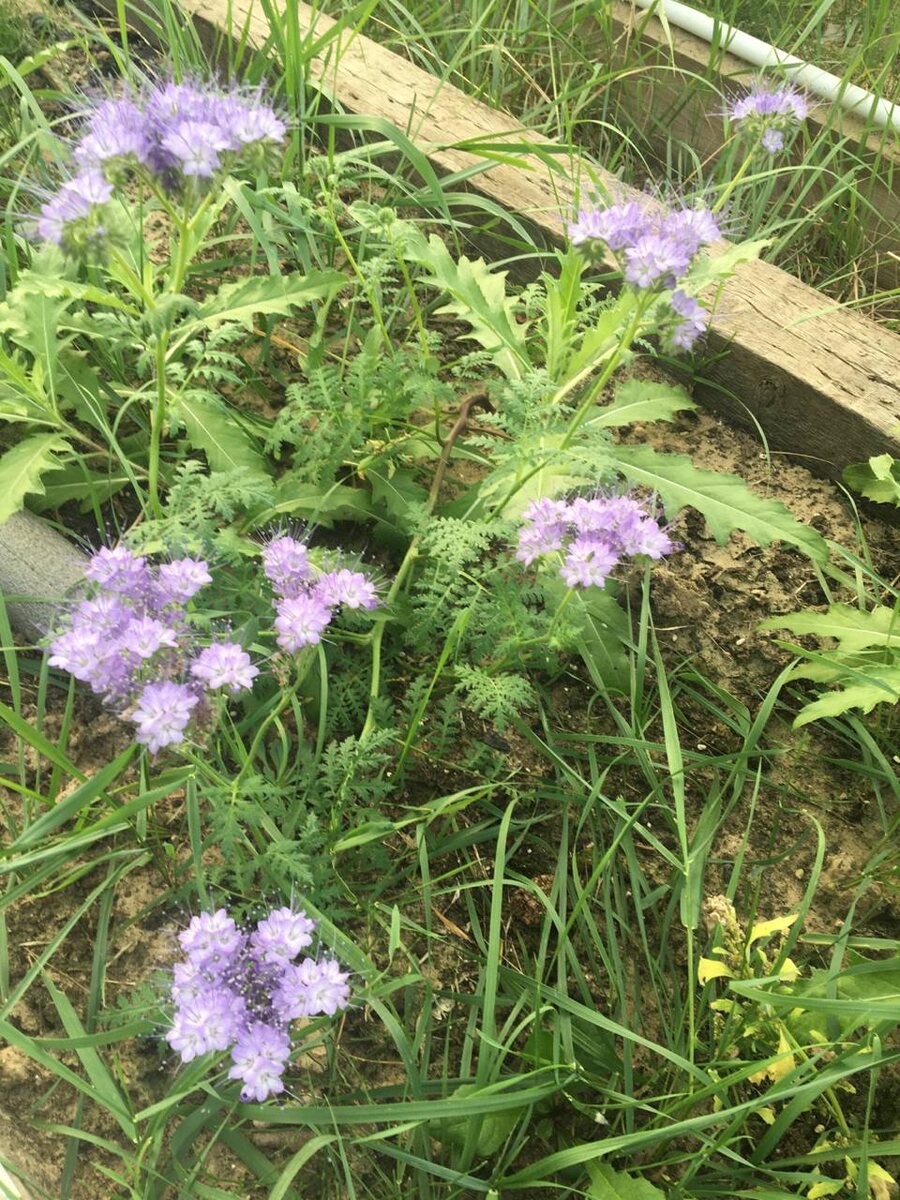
pixel 821 383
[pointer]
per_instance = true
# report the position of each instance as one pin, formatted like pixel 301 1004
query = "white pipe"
pixel 760 54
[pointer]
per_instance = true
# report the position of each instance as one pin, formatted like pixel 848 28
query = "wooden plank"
pixel 666 87
pixel 822 384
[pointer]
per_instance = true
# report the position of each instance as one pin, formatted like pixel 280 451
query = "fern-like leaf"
pixel 497 698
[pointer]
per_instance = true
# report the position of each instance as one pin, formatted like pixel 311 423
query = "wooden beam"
pixel 823 384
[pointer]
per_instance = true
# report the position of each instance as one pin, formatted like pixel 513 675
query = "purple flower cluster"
pixel 239 991
pixel 130 639
pixel 171 133
pixel 307 602
pixel 593 536
pixel 654 247
pixel 768 113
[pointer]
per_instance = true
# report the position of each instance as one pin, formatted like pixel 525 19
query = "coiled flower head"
pixel 240 990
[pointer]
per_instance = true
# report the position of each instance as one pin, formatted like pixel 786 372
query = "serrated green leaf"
pixel 711 267
pixel 75 482
pixel 31 320
pixel 878 479
pixel 607 1184
pixel 22 468
pixel 240 302
pixel 883 688
pixel 599 341
pixel 853 628
pixel 478 297
pixel 643 400
pixel 210 427
pixel 725 500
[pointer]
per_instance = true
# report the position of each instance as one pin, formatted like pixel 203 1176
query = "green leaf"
pixel 711 267
pixel 883 688
pixel 725 500
pixel 212 428
pixel 31 320
pixel 324 506
pixel 240 302
pixel 478 297
pixel 878 479
pixel 22 467
pixel 643 400
pixel 604 633
pixel 607 1184
pixel 853 628
pixel 495 1127
pixel 398 493
pixel 599 341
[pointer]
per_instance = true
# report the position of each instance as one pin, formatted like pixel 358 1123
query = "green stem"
pixel 412 553
pixel 160 406
pixel 596 390
pixel 733 183
pixel 263 728
pixel 157 421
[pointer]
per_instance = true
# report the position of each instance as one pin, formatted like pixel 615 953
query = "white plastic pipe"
pixel 758 53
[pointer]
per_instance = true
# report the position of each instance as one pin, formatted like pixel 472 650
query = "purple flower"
pixel 242 991
pixel 196 146
pixel 350 588
pixel 693 323
pixel 224 665
pixel 619 226
pixel 76 651
pixel 212 940
pixel 246 120
pixel 162 714
pixel 693 227
pixel 544 531
pixel 593 534
pixel 143 636
pixel 118 570
pixel 301 621
pixel 281 936
pixel 313 989
pixel 105 614
pixel 588 562
pixel 656 259
pixel 772 141
pixel 259 1056
pixel 768 113
pixel 173 102
pixel 189 981
pixel 182 579
pixel 76 199
pixel 117 129
pixel 286 566
pixel 207 1022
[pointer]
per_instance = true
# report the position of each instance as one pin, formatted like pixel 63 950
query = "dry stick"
pixel 478 397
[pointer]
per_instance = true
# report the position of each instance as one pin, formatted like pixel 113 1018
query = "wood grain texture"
pixel 822 384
